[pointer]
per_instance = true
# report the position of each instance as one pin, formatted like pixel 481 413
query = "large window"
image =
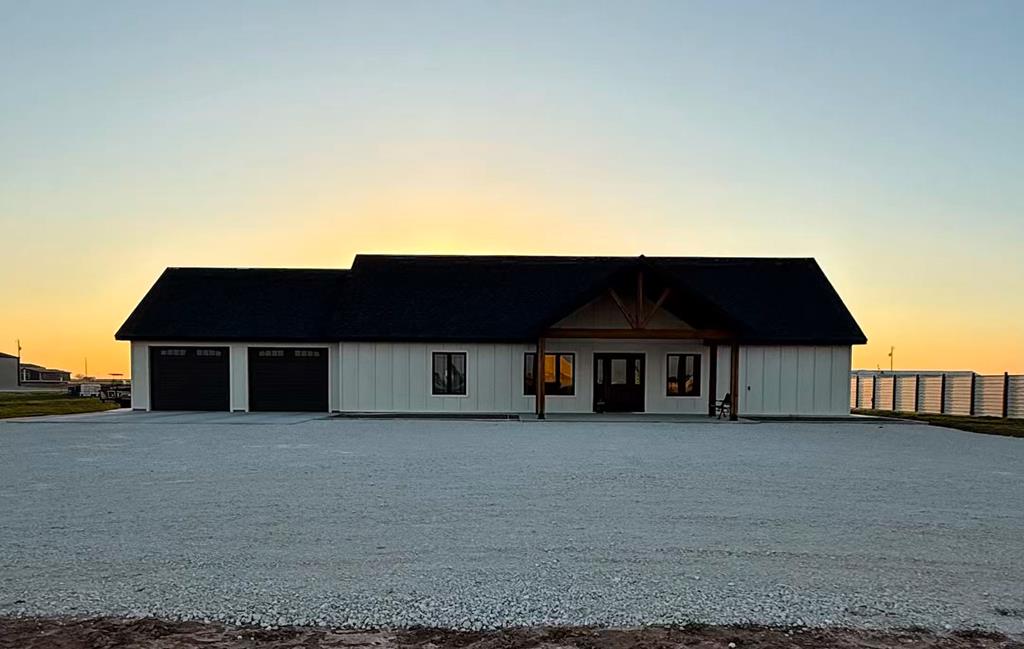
pixel 559 373
pixel 449 370
pixel 683 375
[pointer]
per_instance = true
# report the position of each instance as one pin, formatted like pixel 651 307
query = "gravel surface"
pixel 369 523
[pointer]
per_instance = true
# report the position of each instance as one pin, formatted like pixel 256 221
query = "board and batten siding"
pixel 396 377
pixel 794 380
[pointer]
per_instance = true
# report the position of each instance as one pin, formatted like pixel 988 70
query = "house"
pixel 32 374
pixel 8 371
pixel 473 334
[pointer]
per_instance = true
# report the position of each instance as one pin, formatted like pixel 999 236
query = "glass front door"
pixel 618 382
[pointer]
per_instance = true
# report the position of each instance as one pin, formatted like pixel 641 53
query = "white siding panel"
pixel 239 372
pixel 140 375
pixel 805 380
pixel 350 376
pixel 822 380
pixel 771 376
pixel 419 378
pixel 400 377
pixel 752 386
pixel 788 384
pixel 840 375
pixel 485 378
pixel 384 390
pixel 334 378
pixel 724 363
pixel 504 378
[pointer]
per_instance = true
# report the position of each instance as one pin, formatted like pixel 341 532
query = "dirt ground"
pixel 110 633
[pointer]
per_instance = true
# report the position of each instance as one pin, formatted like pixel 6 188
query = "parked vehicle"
pixel 120 393
pixel 84 390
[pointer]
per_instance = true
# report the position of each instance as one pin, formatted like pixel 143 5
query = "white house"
pixel 470 334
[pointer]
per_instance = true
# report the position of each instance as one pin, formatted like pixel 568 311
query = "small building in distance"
pixel 8 371
pixel 32 374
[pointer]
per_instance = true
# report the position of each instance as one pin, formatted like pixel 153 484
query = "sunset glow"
pixel 190 135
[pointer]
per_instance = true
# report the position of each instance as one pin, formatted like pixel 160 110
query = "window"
pixel 271 353
pixel 208 352
pixel 449 373
pixel 559 374
pixel 172 352
pixel 683 375
pixel 618 371
pixel 307 353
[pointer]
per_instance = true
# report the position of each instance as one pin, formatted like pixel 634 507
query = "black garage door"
pixel 188 378
pixel 287 379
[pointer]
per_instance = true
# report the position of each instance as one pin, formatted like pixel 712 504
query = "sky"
pixel 884 139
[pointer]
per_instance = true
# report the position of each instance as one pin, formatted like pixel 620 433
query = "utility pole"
pixel 86 367
pixel 891 351
pixel 19 362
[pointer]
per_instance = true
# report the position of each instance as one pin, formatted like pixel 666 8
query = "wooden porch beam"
pixel 538 377
pixel 639 318
pixel 712 378
pixel 622 307
pixel 654 334
pixel 657 305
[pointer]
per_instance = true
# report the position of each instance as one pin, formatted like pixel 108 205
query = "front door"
pixel 618 382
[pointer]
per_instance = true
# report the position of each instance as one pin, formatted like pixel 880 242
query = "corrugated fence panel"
pixel 988 396
pixel 867 385
pixel 923 393
pixel 906 393
pixel 931 394
pixel 883 392
pixel 958 394
pixel 1015 401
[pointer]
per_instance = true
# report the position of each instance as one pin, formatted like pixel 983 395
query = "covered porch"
pixel 641 344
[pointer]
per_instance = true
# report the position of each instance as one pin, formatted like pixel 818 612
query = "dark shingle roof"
pixel 483 298
pixel 3 355
pixel 774 300
pixel 223 304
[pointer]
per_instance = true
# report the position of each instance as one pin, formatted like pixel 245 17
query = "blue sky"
pixel 883 139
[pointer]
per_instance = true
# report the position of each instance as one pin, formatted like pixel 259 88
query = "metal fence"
pixel 947 393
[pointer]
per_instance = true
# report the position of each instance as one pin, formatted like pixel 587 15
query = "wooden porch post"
pixel 538 377
pixel 712 378
pixel 734 382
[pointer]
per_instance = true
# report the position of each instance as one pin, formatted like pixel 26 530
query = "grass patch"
pixel 33 404
pixel 985 425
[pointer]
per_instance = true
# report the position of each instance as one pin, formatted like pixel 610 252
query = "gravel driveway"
pixel 366 523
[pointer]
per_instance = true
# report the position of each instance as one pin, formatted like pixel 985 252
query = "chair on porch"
pixel 722 407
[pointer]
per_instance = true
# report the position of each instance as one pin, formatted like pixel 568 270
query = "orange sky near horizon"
pixel 69 312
